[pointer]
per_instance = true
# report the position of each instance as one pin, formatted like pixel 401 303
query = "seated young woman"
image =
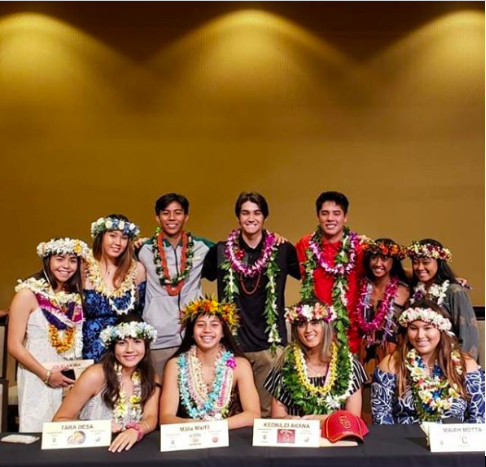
pixel 428 378
pixel 316 374
pixel 122 388
pixel 209 378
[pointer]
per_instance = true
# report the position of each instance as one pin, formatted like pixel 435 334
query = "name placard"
pixel 196 435
pixel 78 434
pixel 287 433
pixel 77 365
pixel 456 437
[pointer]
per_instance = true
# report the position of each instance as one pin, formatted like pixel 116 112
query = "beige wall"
pixel 102 109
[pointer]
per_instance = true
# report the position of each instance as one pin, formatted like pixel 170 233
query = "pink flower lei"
pixel 384 312
pixel 234 255
pixel 347 252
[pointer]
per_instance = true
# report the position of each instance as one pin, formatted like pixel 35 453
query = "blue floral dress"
pixel 99 314
pixel 388 409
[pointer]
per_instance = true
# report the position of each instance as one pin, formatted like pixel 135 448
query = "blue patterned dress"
pixel 388 409
pixel 99 314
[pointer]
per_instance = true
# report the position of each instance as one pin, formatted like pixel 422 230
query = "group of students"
pixel 165 354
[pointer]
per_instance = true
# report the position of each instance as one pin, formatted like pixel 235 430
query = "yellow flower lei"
pixel 302 371
pixel 133 408
pixel 94 276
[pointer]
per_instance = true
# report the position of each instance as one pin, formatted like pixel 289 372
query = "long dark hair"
pixel 124 261
pixel 444 271
pixel 227 340
pixel 396 269
pixel 443 351
pixel 147 373
pixel 72 285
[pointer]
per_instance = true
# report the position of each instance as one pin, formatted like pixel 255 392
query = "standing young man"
pixel 252 270
pixel 173 259
pixel 331 261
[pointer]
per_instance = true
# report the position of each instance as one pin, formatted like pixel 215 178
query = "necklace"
pixel 64 314
pixel 432 394
pixel 313 399
pixel 267 265
pixel 127 287
pixel 200 402
pixel 436 292
pixel 172 285
pixel 384 315
pixel 132 409
pixel 344 263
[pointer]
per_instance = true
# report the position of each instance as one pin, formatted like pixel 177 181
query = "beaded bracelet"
pixel 137 428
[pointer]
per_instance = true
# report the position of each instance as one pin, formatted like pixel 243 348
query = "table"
pixel 393 446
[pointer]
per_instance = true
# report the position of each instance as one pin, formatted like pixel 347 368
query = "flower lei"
pixel 387 249
pixel 64 314
pixel 133 330
pixel 384 314
pixel 114 223
pixel 427 250
pixel 436 292
pixel 209 306
pixel 127 286
pixel 199 402
pixel 266 263
pixel 314 399
pixel 134 408
pixel 305 312
pixel 62 246
pixel 433 395
pixel 173 285
pixel 427 315
pixel 344 263
pixel 345 259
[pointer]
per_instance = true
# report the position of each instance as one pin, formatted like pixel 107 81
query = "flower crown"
pixel 134 329
pixel 113 223
pixel 63 246
pixel 210 306
pixel 304 312
pixel 392 250
pixel 427 250
pixel 427 315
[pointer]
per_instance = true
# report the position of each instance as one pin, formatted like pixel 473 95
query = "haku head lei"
pixel 383 248
pixel 303 312
pixel 428 250
pixel 134 330
pixel 210 306
pixel 427 315
pixel 62 246
pixel 114 223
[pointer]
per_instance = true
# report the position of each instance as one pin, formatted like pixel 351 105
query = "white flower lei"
pixel 436 292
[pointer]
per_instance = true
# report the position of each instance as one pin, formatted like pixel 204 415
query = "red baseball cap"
pixel 343 424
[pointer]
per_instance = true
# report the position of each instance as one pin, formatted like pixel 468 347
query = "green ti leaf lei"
pixel 339 288
pixel 317 404
pixel 270 312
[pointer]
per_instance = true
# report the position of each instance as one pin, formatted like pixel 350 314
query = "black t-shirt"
pixel 252 335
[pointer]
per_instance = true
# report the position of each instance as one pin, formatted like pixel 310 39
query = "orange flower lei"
pixel 61 345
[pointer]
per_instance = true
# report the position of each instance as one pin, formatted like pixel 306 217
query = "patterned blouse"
pixel 388 409
pixel 275 386
pixel 99 314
